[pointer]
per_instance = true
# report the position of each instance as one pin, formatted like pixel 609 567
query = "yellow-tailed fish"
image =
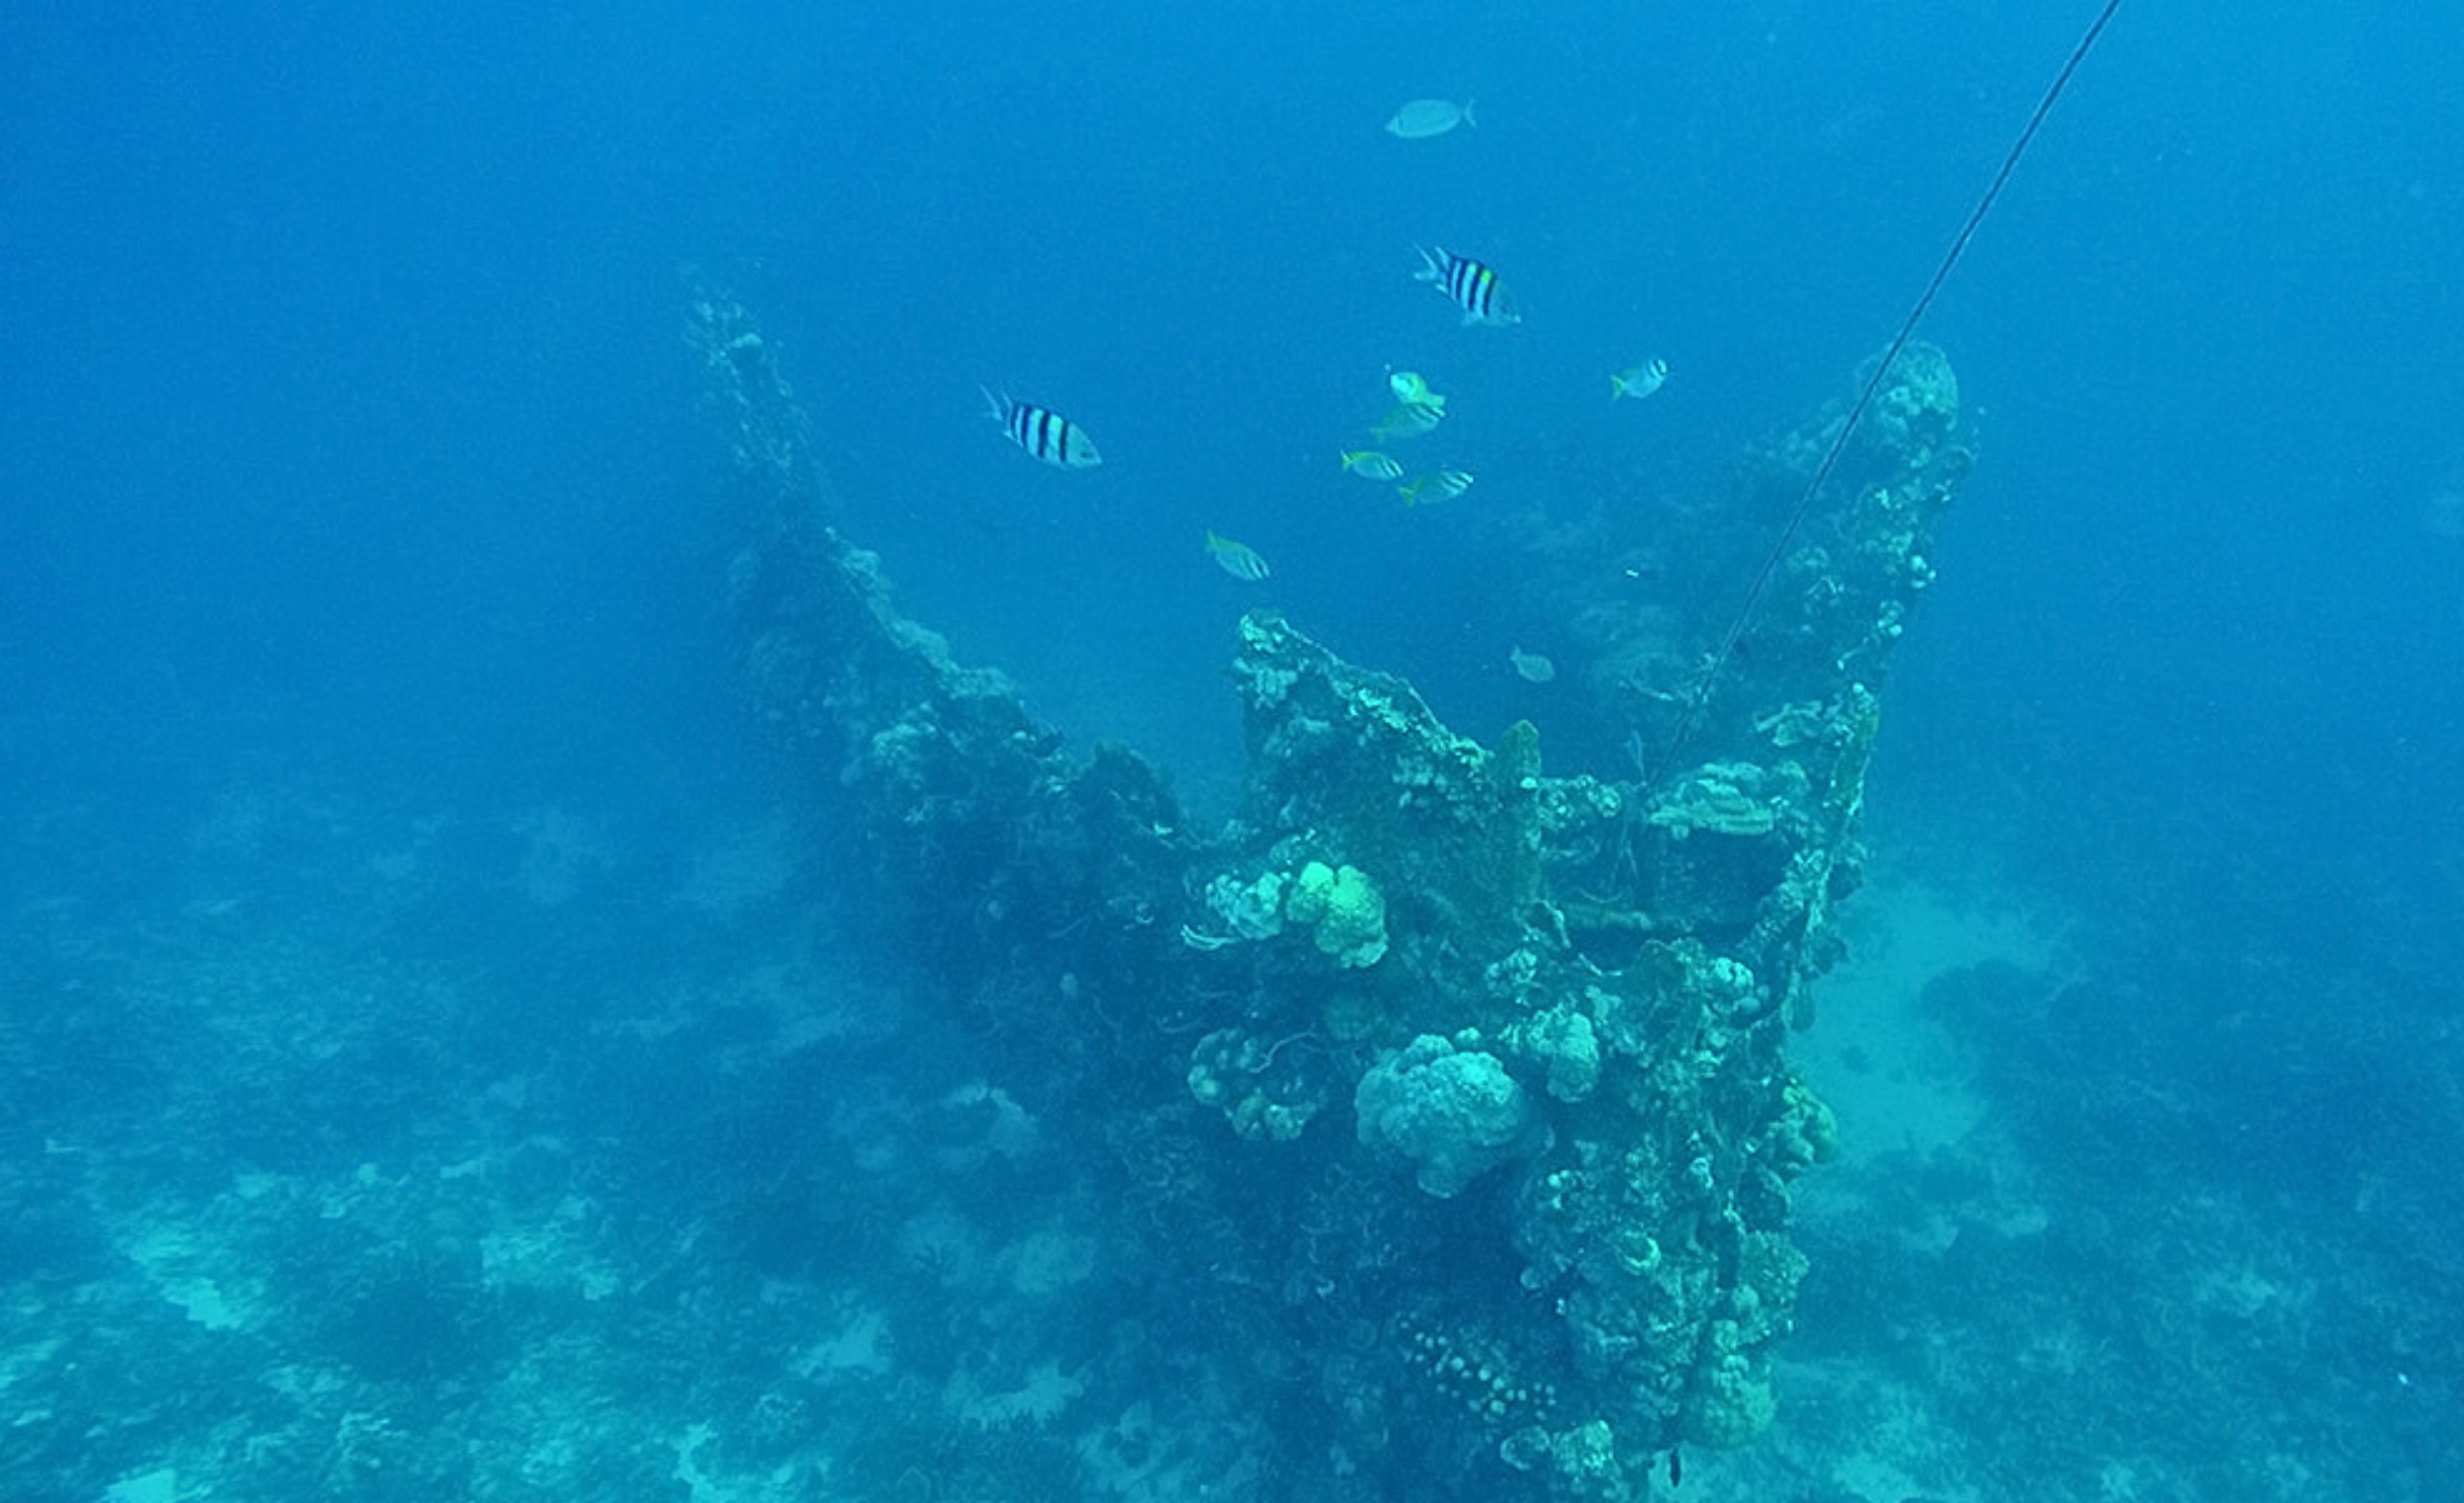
pixel 1642 381
pixel 1469 285
pixel 1532 667
pixel 1443 486
pixel 1412 391
pixel 1370 465
pixel 1408 421
pixel 1423 119
pixel 1042 432
pixel 1239 560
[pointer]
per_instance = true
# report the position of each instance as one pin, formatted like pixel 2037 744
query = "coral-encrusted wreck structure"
pixel 1461 1085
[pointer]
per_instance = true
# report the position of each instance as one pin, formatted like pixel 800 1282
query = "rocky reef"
pixel 1462 1083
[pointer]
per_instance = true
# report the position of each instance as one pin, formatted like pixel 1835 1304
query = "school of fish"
pixel 1477 293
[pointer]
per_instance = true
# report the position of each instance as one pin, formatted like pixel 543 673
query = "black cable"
pixel 1729 640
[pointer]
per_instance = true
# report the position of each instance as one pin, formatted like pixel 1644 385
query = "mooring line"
pixel 1729 640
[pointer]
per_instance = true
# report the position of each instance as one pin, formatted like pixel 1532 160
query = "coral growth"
pixel 1557 1005
pixel 1454 1112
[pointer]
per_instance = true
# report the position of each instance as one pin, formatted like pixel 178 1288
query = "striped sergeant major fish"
pixel 1042 432
pixel 1469 285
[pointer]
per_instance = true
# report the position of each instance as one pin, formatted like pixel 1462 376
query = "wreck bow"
pixel 1467 1077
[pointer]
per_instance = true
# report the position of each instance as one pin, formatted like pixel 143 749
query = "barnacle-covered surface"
pixel 1446 1099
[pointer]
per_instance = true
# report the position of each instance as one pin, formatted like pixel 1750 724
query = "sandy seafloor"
pixel 301 1215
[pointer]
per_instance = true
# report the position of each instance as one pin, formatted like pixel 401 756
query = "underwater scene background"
pixel 464 1035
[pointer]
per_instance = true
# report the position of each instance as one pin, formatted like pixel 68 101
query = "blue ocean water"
pixel 365 684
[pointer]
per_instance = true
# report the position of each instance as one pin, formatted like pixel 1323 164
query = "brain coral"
pixel 1454 1112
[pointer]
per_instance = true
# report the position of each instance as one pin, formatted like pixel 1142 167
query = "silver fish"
pixel 1239 560
pixel 1411 388
pixel 1408 421
pixel 1640 382
pixel 1422 119
pixel 1532 667
pixel 1370 465
pixel 1443 486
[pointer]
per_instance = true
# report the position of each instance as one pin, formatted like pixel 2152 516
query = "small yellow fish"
pixel 1532 667
pixel 1413 391
pixel 1423 119
pixel 1370 465
pixel 1408 421
pixel 1640 382
pixel 1239 560
pixel 1443 486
